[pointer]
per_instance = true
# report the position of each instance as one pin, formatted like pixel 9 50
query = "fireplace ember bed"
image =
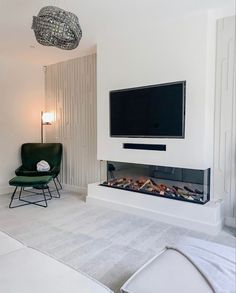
pixel 191 185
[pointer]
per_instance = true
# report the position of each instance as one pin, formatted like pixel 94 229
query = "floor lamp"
pixel 46 119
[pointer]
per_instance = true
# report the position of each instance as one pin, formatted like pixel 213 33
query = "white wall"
pixel 141 51
pixel 21 100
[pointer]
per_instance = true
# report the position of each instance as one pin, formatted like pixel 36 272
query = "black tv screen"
pixel 150 111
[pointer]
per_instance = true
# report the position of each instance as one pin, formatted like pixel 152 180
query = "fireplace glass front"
pixel 192 185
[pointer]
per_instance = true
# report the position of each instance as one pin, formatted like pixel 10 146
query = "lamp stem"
pixel 41 126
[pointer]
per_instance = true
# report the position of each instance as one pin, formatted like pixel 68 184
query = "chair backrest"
pixel 32 153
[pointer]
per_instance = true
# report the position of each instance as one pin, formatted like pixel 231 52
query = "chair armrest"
pixel 19 169
pixel 55 170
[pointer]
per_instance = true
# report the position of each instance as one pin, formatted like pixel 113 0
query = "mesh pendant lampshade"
pixel 56 27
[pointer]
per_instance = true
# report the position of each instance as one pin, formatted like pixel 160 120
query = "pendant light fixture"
pixel 56 27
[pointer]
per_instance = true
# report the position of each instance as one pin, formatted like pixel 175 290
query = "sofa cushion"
pixel 27 270
pixel 168 272
pixel 8 244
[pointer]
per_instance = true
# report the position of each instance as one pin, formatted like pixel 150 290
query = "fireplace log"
pixel 148 181
pixel 125 183
pixel 111 182
pixel 150 186
pixel 119 182
pixel 188 189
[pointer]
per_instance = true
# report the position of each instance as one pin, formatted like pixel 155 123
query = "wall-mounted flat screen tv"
pixel 149 111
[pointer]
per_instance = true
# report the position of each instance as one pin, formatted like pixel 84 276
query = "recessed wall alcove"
pixel 191 185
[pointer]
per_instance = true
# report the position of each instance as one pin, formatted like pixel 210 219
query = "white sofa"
pixel 25 270
pixel 167 272
pixel 190 266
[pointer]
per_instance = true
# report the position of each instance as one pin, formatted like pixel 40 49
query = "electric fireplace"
pixel 191 185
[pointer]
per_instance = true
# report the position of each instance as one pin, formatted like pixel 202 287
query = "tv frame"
pixel 183 82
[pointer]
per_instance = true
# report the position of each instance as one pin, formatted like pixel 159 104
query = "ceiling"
pixel 18 41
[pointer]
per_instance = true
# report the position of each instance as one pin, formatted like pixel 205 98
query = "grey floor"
pixel 105 244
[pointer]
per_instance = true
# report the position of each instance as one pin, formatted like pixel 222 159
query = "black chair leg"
pixel 49 191
pixel 59 182
pixel 12 197
pixel 27 202
pixel 20 192
pixel 56 189
pixel 45 199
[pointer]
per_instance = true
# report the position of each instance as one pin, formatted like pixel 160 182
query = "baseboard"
pixel 74 188
pixel 6 189
pixel 230 221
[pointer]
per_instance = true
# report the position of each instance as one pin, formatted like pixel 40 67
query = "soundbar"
pixel 138 146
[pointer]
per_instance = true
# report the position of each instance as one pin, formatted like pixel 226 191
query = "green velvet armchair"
pixel 32 153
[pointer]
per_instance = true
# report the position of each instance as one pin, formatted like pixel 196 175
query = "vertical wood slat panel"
pixel 70 90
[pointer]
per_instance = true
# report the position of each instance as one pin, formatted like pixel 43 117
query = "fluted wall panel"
pixel 225 124
pixel 70 90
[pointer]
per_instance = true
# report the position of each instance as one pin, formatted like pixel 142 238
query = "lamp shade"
pixel 47 118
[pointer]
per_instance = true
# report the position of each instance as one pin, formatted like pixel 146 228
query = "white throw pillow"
pixel 43 166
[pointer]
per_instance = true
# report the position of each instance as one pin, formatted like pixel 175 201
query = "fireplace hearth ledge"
pixel 207 218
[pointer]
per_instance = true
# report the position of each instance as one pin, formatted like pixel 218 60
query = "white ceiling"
pixel 18 41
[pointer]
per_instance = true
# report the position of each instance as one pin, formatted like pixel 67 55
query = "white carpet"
pixel 106 244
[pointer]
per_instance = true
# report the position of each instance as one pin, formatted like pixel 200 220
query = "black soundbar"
pixel 138 146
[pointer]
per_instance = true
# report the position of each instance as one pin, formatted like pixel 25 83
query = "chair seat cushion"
pixel 36 173
pixel 28 181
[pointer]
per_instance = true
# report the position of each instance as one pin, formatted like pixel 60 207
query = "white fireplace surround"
pixel 125 62
pixel 205 218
